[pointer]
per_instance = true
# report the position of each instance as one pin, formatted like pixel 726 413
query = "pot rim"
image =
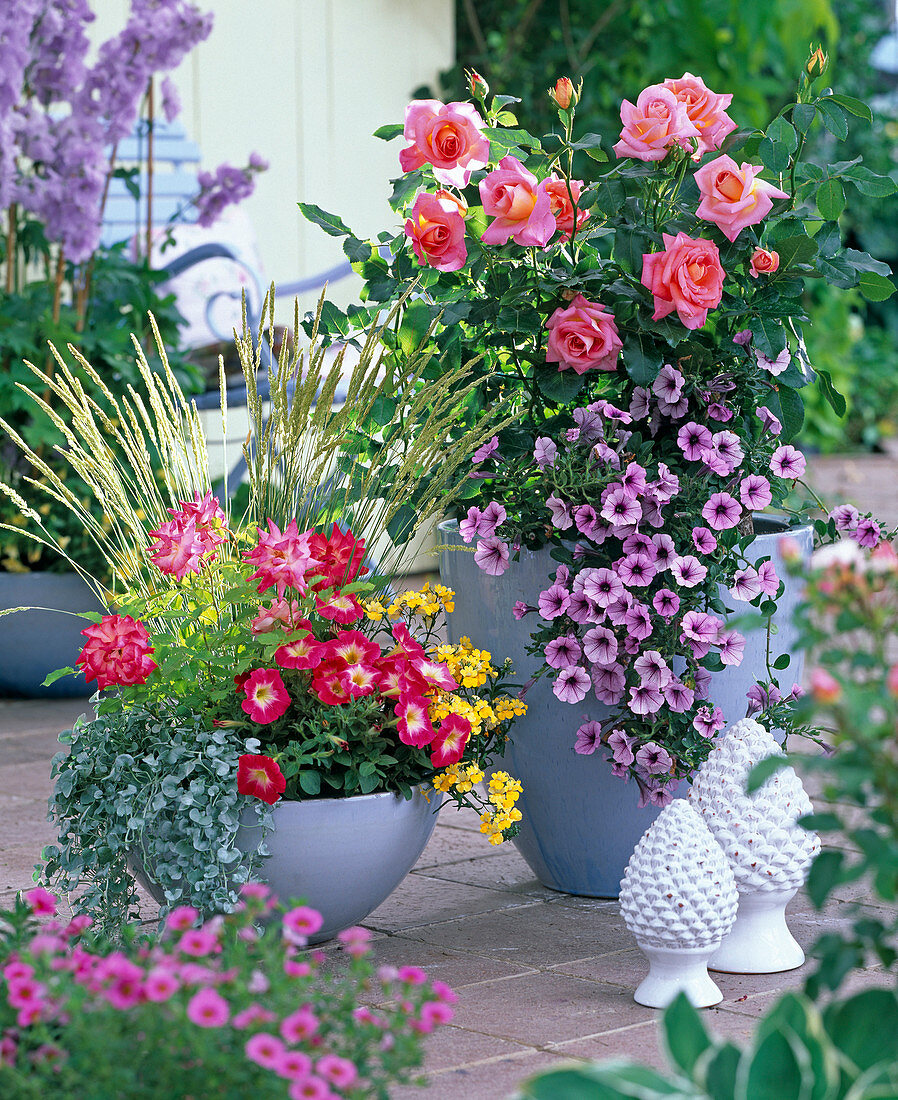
pixel 419 792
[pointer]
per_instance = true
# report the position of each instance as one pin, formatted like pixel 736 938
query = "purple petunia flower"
pixel 774 366
pixel 699 626
pixel 694 441
pixel 668 384
pixel 609 684
pixel 469 527
pixel 581 610
pixel 761 697
pixel 769 421
pixel 754 492
pixel 688 571
pixel 562 652
pixel 633 479
pixel 703 540
pixel 600 646
pixel 640 403
pixel 589 738
pixel 654 758
pixel 491 556
pixel 676 409
pixel 665 551
pixel 846 518
pixel 571 684
pixel 652 667
pixel 635 570
pixel 483 453
pixel 708 721
pixel 720 412
pixel 590 425
pixel 621 746
pixel 732 647
pixel 640 543
pixel 702 679
pixel 746 584
pixel 545 451
pixel 722 511
pixel 645 699
pixel 868 533
pixel 617 609
pixel 743 337
pixel 768 579
pixel 553 601
pixel 491 517
pixel 561 512
pixel 660 795
pixel 787 462
pixel 678 697
pixel 587 521
pixel 726 448
pixel 666 603
pixel 602 586
pixel 572 435
pixel 521 609
pixel 601 452
pixel 619 507
pixel 638 621
pixel 621 771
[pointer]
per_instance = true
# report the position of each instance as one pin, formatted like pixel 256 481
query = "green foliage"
pixel 151 786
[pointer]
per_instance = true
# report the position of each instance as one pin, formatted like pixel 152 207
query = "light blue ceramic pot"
pixel 580 823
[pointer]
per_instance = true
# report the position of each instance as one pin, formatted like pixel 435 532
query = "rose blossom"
pixel 436 229
pixel 117 651
pixel 448 136
pixel 734 197
pixel 686 277
pixel 763 262
pixel 584 337
pixel 519 205
pixel 705 109
pixel 561 206
pixel 656 121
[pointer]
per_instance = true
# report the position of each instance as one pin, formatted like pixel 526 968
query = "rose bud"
pixel 816 64
pixel 563 94
pixel 763 262
pixel 477 86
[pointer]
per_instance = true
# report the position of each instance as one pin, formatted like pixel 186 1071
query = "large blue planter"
pixel 36 643
pixel 580 823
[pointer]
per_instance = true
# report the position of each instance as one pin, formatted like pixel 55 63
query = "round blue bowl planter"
pixel 581 823
pixel 35 643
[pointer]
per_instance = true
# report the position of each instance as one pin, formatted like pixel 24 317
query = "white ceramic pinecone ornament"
pixel 678 897
pixel 768 852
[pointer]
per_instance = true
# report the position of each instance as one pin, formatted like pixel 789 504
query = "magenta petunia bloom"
pixel 617 609
pixel 582 610
pixel 868 534
pixel 787 462
pixel 619 507
pixel 668 384
pixel 589 738
pixel 207 1008
pixel 666 486
pixel 562 652
pixel 699 626
pixel 717 410
pixel 768 579
pixel 638 621
pixel 761 697
pixel 609 684
pixel 266 698
pixel 708 721
pixel 846 518
pixel 677 696
pixel 635 570
pixel 770 423
pixel 600 646
pixel 754 492
pixel 654 758
pixel 561 512
pixel 553 601
pixel 721 511
pixel 666 603
pixel 703 540
pixel 746 584
pixel 621 746
pixel 732 647
pixel 694 440
pixel 520 609
pixel 571 684
pixel 586 520
pixel 545 451
pixel 665 551
pixel 645 699
pixel 602 586
pixel 492 556
pixel 688 571
pixel 727 450
pixel 652 667
pixel 633 479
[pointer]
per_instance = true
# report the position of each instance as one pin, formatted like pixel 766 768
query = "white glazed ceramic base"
pixel 674 970
pixel 760 941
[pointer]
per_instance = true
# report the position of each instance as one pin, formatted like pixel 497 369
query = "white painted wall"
pixel 305 83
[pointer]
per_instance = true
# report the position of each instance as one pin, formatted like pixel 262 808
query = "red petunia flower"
pixel 340 608
pixel 303 653
pixel 413 721
pixel 260 777
pixel 266 697
pixel 327 682
pixel 448 746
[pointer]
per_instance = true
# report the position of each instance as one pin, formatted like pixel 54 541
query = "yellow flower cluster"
pixel 480 713
pixel 469 666
pixel 461 777
pixel 428 602
pixel 503 793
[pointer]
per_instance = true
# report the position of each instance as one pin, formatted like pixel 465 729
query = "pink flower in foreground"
pixel 561 205
pixel 686 277
pixel 448 136
pixel 448 745
pixel 754 492
pixel 518 204
pixel 260 777
pixel 787 462
pixel 181 918
pixel 207 1008
pixel 413 723
pixel 436 228
pixel 338 1071
pixel 763 262
pixel 571 684
pixel 117 651
pixel 734 196
pixel 825 688
pixel 299 1025
pixel 281 558
pixel 266 697
pixel 264 1049
pixel 654 758
pixel 178 549
pixel 583 337
pixel 653 124
pixel 706 110
pixel 41 901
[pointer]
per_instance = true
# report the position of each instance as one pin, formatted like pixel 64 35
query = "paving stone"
pixel 423 901
pixel 507 871
pixel 639 1043
pixel 39 748
pixel 489 1079
pixel 449 845
pixel 40 716
pixel 28 780
pixel 547 1007
pixel 532 934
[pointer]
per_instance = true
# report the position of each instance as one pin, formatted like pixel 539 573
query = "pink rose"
pixel 436 229
pixel 763 262
pixel 658 121
pixel 686 277
pixel 583 336
pixel 561 206
pixel 447 135
pixel 706 110
pixel 518 203
pixel 734 197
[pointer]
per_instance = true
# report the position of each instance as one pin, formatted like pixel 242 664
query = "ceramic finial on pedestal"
pixel 678 898
pixel 768 852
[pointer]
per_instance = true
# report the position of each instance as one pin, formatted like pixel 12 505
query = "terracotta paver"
pixel 542 977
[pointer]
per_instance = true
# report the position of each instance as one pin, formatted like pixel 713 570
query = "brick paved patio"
pixel 541 976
